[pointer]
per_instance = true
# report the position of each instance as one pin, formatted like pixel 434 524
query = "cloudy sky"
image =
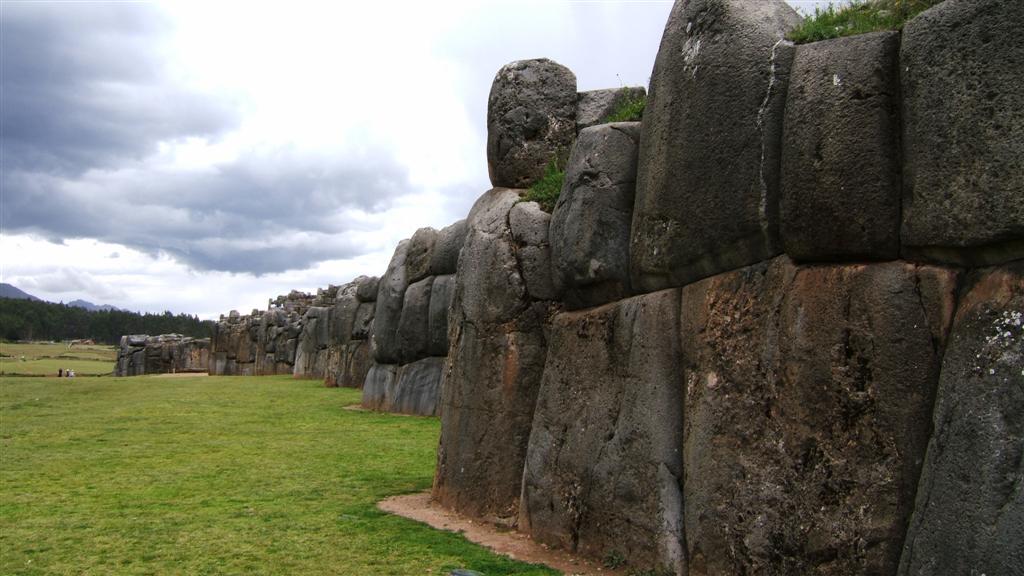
pixel 200 157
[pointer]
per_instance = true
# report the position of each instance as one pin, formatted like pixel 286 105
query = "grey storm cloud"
pixel 86 99
pixel 83 87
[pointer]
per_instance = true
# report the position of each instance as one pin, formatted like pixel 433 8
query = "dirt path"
pixel 503 541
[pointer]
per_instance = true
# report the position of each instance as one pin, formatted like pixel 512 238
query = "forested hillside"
pixel 37 320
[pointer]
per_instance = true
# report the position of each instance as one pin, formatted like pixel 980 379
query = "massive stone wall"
pixel 777 327
pixel 410 336
pixel 766 345
pixel 140 354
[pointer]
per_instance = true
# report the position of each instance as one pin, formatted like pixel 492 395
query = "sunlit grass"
pixel 214 475
pixel 45 358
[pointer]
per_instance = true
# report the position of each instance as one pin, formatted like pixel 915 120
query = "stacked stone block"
pixel 140 354
pixel 777 354
pixel 410 326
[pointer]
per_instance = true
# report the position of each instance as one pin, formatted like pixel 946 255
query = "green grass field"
pixel 45 358
pixel 214 475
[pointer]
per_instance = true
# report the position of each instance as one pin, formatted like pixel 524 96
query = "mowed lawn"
pixel 214 475
pixel 45 358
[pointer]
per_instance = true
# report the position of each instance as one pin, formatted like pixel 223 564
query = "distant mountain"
pixel 8 291
pixel 90 306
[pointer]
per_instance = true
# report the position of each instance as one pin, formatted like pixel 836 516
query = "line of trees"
pixel 36 320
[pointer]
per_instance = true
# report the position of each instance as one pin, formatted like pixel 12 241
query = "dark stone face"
pixel 531 118
pixel 591 221
pixel 390 297
pixel 707 181
pixel 807 412
pixel 497 348
pixel 840 160
pixel 970 511
pixel 963 133
pixel 604 467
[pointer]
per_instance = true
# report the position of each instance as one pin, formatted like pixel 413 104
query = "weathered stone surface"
pixel 963 133
pixel 410 389
pixel 591 221
pixel 418 387
pixel 414 325
pixel 342 315
pixel 487 402
pixel 234 345
pixel 390 296
pixel 379 387
pixel 140 354
pixel 807 412
pixel 420 254
pixel 604 465
pixel 445 258
pixel 969 517
pixel 488 270
pixel 363 323
pixel 494 367
pixel 311 356
pixel 442 293
pixel 348 364
pixel 707 178
pixel 840 161
pixel 594 106
pixel 366 288
pixel 531 117
pixel 529 225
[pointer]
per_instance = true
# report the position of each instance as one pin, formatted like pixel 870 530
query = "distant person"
pixel 71 373
pixel 60 372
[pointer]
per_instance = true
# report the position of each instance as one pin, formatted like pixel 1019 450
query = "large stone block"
pixel 840 160
pixel 420 254
pixel 963 132
pixel 492 287
pixel 348 364
pixel 707 180
pixel 594 106
pixel 388 314
pixel 495 362
pixel 529 225
pixel 442 293
pixel 591 221
pixel 414 325
pixel 312 342
pixel 487 405
pixel 531 118
pixel 969 517
pixel 379 387
pixel 418 388
pixel 807 412
pixel 445 257
pixel 366 288
pixel 342 318
pixel 363 323
pixel 603 472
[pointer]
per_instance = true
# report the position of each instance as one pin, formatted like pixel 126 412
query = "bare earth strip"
pixel 421 508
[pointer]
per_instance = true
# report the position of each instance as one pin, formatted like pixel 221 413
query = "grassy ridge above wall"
pixel 858 17
pixel 214 475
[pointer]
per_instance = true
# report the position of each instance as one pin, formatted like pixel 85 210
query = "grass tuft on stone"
pixel 858 17
pixel 546 190
pixel 630 109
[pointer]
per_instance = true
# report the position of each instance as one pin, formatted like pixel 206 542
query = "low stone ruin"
pixel 140 354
